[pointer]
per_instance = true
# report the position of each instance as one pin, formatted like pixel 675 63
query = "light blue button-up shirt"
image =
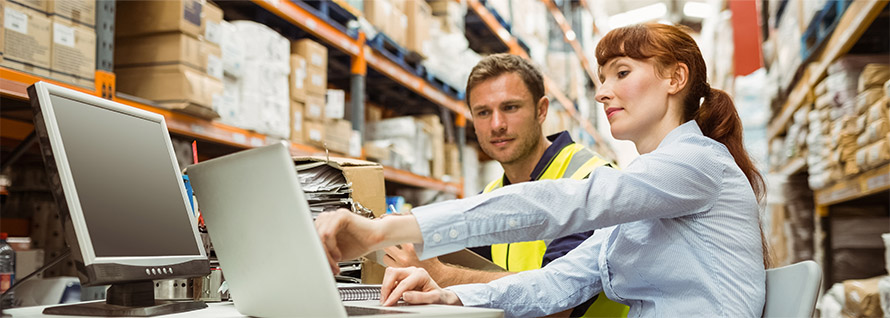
pixel 678 236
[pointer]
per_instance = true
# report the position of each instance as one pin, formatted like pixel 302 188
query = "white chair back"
pixel 791 291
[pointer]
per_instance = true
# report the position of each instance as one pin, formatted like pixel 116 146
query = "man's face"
pixel 505 118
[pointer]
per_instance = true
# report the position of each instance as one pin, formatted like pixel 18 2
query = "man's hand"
pixel 407 257
pixel 415 286
pixel 346 235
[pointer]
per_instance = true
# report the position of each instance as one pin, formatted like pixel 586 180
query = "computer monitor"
pixel 119 189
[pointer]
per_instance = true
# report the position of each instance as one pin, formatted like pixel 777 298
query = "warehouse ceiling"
pixel 687 12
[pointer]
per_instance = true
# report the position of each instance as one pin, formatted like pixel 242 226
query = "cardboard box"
pixel 296 121
pixel 298 75
pixel 437 138
pixel 313 133
pixel 378 13
pixel 375 151
pixel 146 17
pixel 315 105
pixel 169 48
pixel 82 11
pixel 316 80
pixel 419 16
pixel 39 5
pixel 335 105
pixel 337 134
pixel 27 39
pixel 373 112
pixel 2 30
pixel 316 54
pixel 174 86
pixel 368 186
pixel 212 30
pixel 452 161
pixel 469 259
pixel 73 51
pixel 398 27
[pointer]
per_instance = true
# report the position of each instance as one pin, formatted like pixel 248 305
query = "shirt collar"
pixel 557 142
pixel 689 127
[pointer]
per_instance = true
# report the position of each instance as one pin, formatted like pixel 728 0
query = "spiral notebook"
pixel 350 292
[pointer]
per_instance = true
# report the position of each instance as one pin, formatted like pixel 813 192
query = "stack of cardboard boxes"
pixel 263 86
pixel 407 22
pixel 338 131
pixel 308 84
pixel 162 53
pixel 54 39
pixel 416 144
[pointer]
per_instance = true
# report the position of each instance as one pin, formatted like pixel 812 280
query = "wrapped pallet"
pixel 873 75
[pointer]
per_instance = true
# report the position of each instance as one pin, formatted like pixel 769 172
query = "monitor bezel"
pixel 73 210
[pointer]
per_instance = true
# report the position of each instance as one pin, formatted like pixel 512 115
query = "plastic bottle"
pixel 7 269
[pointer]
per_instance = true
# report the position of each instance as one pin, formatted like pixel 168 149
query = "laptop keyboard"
pixel 362 311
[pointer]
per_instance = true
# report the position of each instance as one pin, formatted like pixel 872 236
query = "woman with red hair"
pixel 678 231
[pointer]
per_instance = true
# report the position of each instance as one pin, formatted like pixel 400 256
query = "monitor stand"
pixel 127 299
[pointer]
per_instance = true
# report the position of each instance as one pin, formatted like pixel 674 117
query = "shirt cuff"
pixel 472 295
pixel 443 228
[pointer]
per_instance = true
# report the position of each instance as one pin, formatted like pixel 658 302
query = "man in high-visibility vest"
pixel 505 94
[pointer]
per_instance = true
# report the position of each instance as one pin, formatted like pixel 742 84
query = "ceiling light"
pixel 639 15
pixel 696 9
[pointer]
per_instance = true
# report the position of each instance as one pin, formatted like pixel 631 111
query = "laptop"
pixel 271 256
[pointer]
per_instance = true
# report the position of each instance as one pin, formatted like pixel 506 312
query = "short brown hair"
pixel 503 63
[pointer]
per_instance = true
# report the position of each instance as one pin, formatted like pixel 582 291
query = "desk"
pixel 227 310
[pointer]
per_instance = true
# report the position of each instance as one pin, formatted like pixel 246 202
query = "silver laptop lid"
pixel 263 234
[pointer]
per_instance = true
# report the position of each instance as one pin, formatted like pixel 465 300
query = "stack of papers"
pixel 324 186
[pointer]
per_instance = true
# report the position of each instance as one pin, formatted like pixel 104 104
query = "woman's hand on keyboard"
pixel 415 286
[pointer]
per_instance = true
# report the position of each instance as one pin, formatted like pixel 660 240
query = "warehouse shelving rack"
pixel 870 187
pixel 14 83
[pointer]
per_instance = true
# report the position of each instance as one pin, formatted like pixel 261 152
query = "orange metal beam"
pixel 309 22
pixel 570 37
pixel 14 129
pixel 405 177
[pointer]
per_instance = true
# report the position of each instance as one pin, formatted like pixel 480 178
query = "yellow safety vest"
pixel 576 162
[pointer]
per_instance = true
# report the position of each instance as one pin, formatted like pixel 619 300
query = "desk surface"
pixel 227 310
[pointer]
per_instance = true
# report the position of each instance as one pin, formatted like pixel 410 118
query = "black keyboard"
pixel 362 311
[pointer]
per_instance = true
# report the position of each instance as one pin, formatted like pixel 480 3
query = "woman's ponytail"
pixel 718 119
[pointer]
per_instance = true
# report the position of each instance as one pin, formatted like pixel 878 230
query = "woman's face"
pixel 635 98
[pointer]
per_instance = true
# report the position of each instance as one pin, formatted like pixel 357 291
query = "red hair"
pixel 711 108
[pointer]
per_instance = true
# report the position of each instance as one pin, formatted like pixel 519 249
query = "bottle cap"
pixel 3 235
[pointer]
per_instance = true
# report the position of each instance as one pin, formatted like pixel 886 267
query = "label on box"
pixel 316 80
pixel 298 121
pixel 314 110
pixel 317 60
pixel 213 32
pixel 63 35
pixel 191 12
pixel 215 66
pixel 355 144
pixel 16 21
pixel 239 138
pixel 315 135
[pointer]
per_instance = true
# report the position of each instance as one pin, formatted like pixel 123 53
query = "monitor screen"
pixel 127 184
pixel 121 198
